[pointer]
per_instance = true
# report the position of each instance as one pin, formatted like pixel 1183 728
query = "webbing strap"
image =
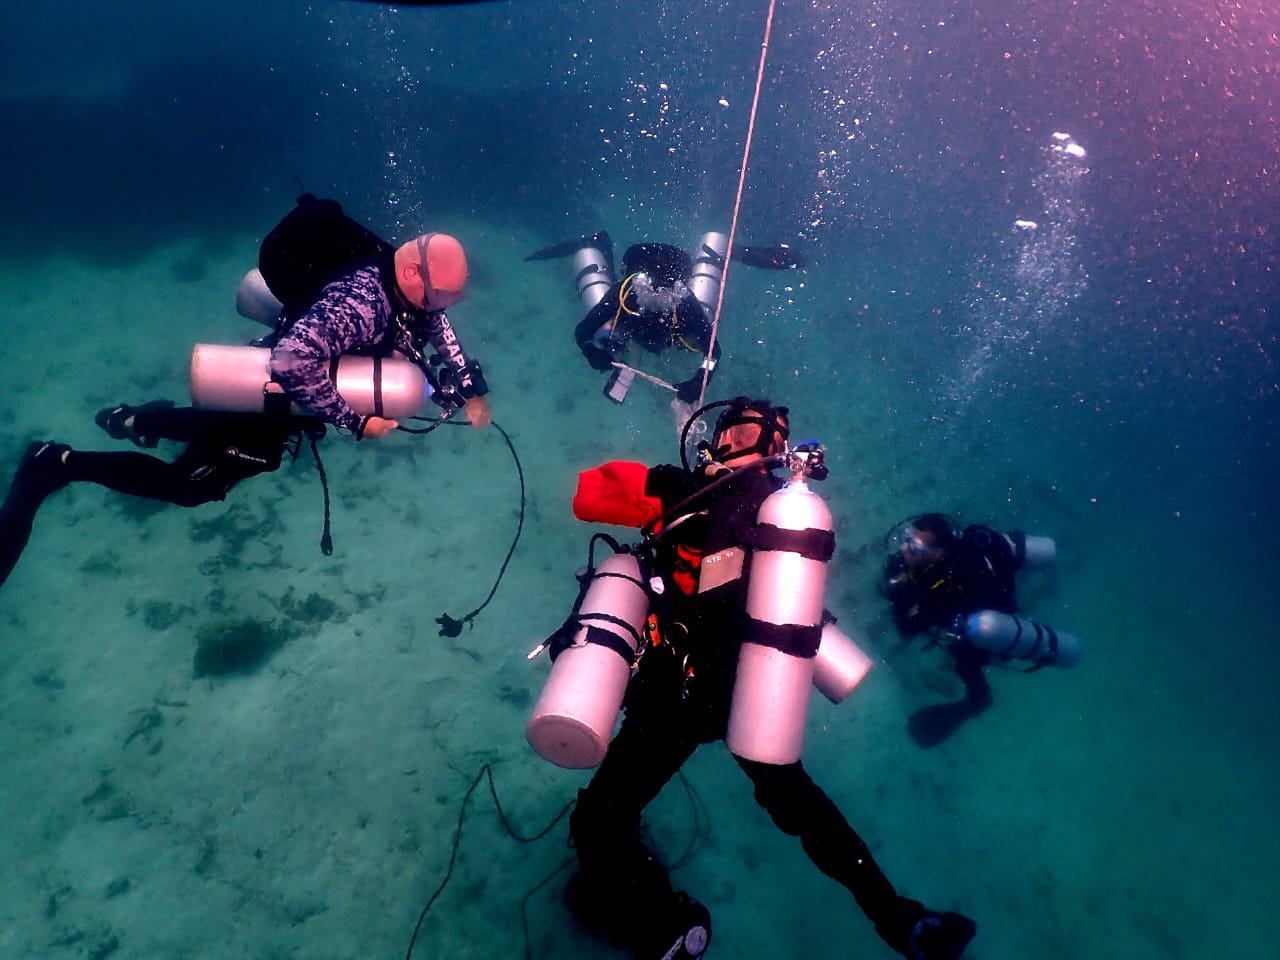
pixel 789 638
pixel 611 641
pixel 810 543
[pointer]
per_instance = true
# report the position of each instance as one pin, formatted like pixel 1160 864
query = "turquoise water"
pixel 1106 377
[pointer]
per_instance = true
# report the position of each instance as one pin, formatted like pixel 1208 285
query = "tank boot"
pixel 119 422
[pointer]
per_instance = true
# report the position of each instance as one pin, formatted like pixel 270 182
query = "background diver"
pixel 958 585
pixel 665 298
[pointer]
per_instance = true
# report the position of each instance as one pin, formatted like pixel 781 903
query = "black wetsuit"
pixel 678 700
pixel 976 574
pixel 222 450
pixel 618 320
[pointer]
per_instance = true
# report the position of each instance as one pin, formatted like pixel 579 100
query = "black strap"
pixel 790 638
pixel 378 410
pixel 1019 539
pixel 1044 635
pixel 377 385
pixel 611 641
pixel 275 403
pixel 810 543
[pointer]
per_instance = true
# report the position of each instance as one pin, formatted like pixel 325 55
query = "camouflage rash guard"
pixel 354 313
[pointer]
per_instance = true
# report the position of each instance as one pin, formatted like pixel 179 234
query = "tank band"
pixel 593 269
pixel 1017 637
pixel 378 409
pixel 611 641
pixel 1046 640
pixel 708 254
pixel 810 543
pixel 275 403
pixel 1019 540
pixel 789 638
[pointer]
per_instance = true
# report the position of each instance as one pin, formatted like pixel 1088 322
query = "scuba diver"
pixel 342 289
pixel 330 288
pixel 696 613
pixel 665 299
pixel 958 585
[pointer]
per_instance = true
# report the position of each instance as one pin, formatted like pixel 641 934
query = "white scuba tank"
pixel 592 276
pixel 255 301
pixel 840 664
pixel 1010 635
pixel 708 271
pixel 1041 552
pixel 239 378
pixel 574 718
pixel 791 544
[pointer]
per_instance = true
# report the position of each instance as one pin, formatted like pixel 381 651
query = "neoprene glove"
pixel 688 390
pixel 599 358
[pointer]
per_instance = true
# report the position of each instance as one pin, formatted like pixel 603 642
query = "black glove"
pixel 689 390
pixel 598 357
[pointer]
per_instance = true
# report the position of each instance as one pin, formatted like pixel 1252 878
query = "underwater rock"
pixel 236 646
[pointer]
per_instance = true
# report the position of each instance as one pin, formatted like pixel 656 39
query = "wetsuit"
pixel 222 450
pixel 355 314
pixel 678 700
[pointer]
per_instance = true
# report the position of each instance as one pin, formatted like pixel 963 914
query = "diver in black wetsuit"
pixel 679 699
pixel 665 299
pixel 938 576
pixel 650 306
pixel 222 450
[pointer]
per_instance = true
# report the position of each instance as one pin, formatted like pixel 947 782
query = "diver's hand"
pixel 376 427
pixel 598 357
pixel 478 413
pixel 690 389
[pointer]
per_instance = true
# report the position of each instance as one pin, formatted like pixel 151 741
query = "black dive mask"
pixel 739 410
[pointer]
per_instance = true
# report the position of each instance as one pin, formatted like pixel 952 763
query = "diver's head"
pixel 431 271
pixel 655 298
pixel 659 275
pixel 749 430
pixel 926 539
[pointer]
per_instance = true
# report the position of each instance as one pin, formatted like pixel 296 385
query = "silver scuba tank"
pixel 840 664
pixel 238 378
pixel 592 276
pixel 1010 635
pixel 574 718
pixel 708 271
pixel 791 544
pixel 255 301
pixel 1040 553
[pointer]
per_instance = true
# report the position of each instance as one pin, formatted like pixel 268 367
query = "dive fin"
pixel 568 248
pixel 781 257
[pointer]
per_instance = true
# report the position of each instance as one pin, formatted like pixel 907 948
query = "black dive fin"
pixel 599 239
pixel 781 257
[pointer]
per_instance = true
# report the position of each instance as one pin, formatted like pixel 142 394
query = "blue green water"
pixel 1106 377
